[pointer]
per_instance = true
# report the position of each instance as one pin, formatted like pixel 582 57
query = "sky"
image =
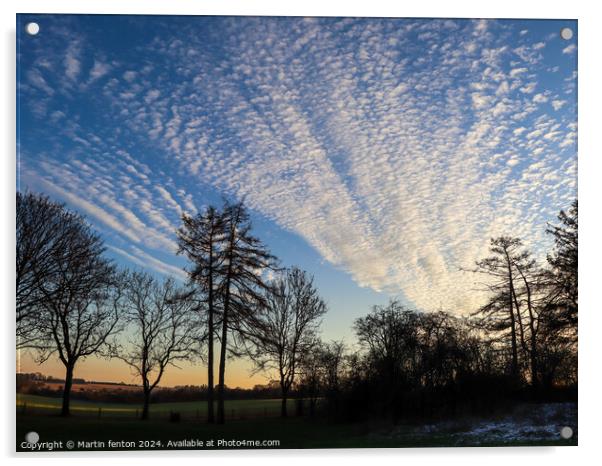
pixel 380 155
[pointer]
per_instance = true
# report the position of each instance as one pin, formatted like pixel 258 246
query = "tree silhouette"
pixel 242 286
pixel 390 334
pixel 499 268
pixel 201 239
pixel 43 229
pixel 515 286
pixel 563 276
pixel 159 320
pixel 311 381
pixel 80 299
pixel 287 328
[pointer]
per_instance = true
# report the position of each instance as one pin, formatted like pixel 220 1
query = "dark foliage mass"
pixel 522 344
pixel 72 303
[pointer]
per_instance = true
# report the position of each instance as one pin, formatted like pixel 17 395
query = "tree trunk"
pixel 534 368
pixel 224 342
pixel 222 369
pixel 146 404
pixel 210 403
pixel 534 356
pixel 67 390
pixel 283 410
pixel 514 368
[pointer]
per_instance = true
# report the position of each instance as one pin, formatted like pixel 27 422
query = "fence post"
pixel 136 413
pixel 99 412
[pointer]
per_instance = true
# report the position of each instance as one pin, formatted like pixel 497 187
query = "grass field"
pixel 120 425
pixel 93 386
pixel 235 409
pixel 289 433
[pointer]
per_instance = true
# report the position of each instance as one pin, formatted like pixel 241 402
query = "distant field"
pixel 235 409
pixel 77 387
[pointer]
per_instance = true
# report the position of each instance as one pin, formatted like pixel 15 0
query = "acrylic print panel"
pixel 262 232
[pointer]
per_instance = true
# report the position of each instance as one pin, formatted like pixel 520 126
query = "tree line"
pixel 73 302
pixel 520 345
pixel 120 392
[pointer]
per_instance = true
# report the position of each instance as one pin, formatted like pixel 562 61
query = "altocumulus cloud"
pixel 396 148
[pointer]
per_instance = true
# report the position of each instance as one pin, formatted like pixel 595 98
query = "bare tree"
pixel 242 285
pixel 332 356
pixel 311 375
pixel 41 226
pixel 322 371
pixel 390 334
pixel 200 238
pixel 160 326
pixel 287 328
pixel 80 299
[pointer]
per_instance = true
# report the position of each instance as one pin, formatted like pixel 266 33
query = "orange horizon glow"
pixel 238 372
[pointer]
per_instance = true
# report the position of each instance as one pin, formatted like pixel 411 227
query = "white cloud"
pixel 168 198
pixel 569 49
pixel 481 26
pixel 399 89
pixel 517 71
pixel 152 95
pixel 145 260
pixel 503 88
pixel 71 61
pixel 99 70
pixel 129 76
pixel 528 88
pixel 480 101
pixel 35 77
pixel 91 209
pixel 540 98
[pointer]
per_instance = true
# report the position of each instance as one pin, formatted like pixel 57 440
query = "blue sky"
pixel 380 155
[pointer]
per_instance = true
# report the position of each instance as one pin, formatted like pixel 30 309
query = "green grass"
pixel 235 409
pixel 291 433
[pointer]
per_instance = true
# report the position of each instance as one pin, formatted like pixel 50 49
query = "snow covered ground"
pixel 544 422
pixel 524 423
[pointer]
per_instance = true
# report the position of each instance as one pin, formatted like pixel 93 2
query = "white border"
pixel 590 41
